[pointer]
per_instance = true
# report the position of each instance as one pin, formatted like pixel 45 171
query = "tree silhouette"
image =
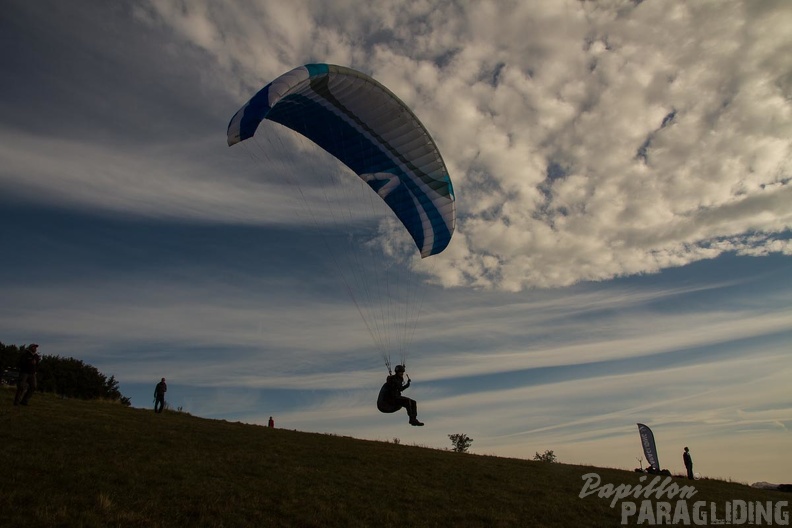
pixel 461 442
pixel 547 456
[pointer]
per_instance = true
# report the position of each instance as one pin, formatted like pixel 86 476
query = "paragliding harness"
pixel 388 398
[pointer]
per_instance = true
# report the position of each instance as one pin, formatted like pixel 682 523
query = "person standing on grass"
pixel 271 423
pixel 26 384
pixel 688 463
pixel 159 396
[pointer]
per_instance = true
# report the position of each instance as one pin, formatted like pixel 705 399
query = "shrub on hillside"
pixel 547 456
pixel 461 442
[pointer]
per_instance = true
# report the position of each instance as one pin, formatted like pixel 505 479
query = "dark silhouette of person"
pixel 688 463
pixel 26 384
pixel 271 422
pixel 390 399
pixel 159 396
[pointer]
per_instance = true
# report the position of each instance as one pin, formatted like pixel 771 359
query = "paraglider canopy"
pixel 371 131
pixel 365 127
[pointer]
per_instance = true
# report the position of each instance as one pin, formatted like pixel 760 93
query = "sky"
pixel 622 254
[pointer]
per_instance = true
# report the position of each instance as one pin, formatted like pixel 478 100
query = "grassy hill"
pixel 87 463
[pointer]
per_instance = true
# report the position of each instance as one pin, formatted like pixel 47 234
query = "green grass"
pixel 86 463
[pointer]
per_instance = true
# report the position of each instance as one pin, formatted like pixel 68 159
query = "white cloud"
pixel 585 140
pixel 664 129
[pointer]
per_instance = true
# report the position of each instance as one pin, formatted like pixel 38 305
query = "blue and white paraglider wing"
pixel 371 131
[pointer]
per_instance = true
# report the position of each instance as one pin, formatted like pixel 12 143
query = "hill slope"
pixel 81 463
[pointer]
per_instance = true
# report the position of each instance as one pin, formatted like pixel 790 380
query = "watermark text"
pixel 663 501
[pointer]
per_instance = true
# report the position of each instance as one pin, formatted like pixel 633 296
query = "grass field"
pixel 87 463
